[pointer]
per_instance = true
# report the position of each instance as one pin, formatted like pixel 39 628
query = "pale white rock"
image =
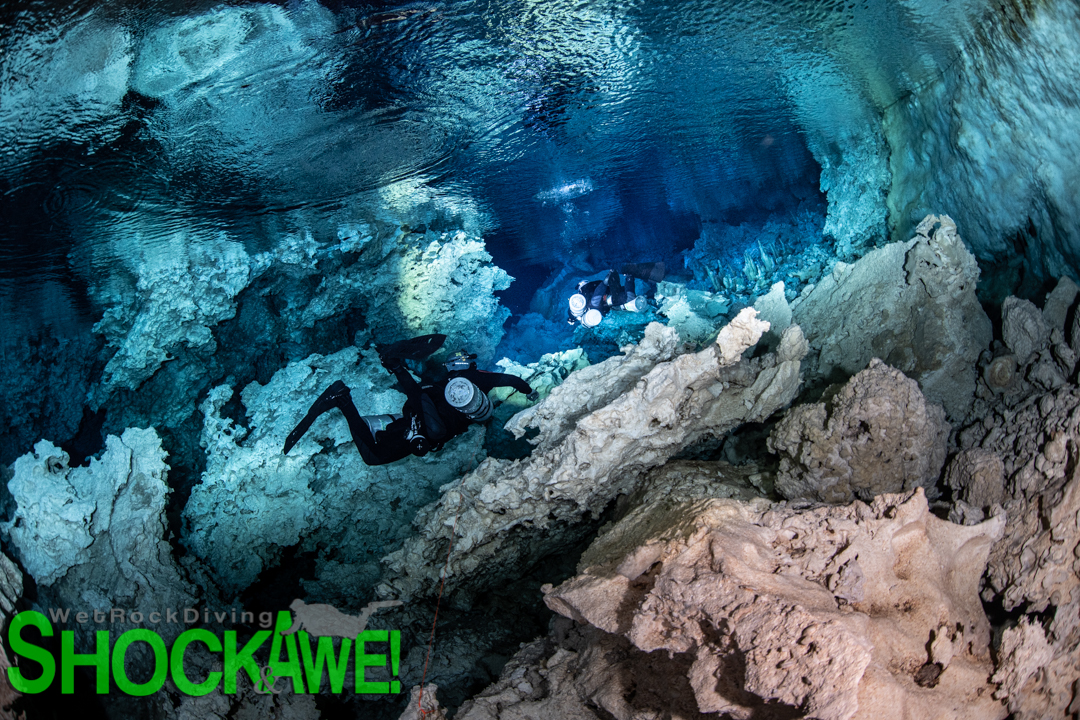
pixel 93 538
pixel 183 290
pixel 912 304
pixel 600 432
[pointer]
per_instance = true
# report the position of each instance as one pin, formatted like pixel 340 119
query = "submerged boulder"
pixel 93 538
pixel 876 435
pixel 911 304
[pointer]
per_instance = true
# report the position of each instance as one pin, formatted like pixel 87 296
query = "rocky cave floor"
pixel 714 526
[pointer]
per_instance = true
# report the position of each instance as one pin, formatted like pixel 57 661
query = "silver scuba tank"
pixel 468 400
pixel 377 423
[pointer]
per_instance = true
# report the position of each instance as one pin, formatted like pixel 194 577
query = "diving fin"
pixel 329 399
pixel 652 272
pixel 417 348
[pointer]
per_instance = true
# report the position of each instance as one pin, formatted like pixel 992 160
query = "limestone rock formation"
pixel 695 314
pixel 177 299
pixel 774 309
pixel 1022 450
pixel 11 588
pixel 441 282
pixel 423 704
pixel 910 304
pixel 1022 328
pixel 863 611
pixel 93 538
pixel 600 432
pixel 977 478
pixel 254 501
pixel 876 435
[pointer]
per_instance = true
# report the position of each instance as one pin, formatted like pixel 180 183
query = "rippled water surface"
pixel 570 125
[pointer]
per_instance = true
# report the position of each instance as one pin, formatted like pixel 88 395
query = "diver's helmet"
pixel 468 399
pixel 592 318
pixel 577 305
pixel 460 360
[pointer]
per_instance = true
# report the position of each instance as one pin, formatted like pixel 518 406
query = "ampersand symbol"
pixel 268 681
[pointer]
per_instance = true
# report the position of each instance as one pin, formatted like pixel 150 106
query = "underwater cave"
pixel 807 447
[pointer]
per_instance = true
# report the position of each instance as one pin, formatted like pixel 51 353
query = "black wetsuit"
pixel 603 294
pixel 425 412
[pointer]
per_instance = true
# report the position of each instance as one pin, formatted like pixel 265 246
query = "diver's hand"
pixel 533 396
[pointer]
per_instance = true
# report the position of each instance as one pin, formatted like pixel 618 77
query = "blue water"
pixel 570 136
pixel 285 117
pixel 575 135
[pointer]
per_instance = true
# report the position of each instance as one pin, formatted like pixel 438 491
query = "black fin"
pixel 328 400
pixel 417 348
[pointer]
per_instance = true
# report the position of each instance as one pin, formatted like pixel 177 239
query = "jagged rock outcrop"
pixel 11 588
pixel 423 704
pixel 177 298
pixel 1022 450
pixel 93 538
pixel 910 304
pixel 254 501
pixel 1022 328
pixel 440 282
pixel 600 432
pixel 695 314
pixel 977 479
pixel 863 611
pixel 876 435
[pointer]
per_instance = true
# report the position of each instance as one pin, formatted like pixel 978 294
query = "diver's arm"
pixel 487 381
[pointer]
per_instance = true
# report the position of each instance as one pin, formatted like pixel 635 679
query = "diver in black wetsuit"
pixel 431 416
pixel 594 300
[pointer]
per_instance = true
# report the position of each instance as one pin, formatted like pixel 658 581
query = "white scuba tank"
pixel 468 400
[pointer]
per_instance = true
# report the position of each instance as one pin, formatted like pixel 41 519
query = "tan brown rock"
pixel 11 588
pixel 876 435
pixel 977 477
pixel 863 611
pixel 1035 567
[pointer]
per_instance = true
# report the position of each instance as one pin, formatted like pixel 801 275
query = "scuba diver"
pixel 432 414
pixel 593 300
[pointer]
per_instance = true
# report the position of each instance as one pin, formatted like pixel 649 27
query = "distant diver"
pixel 594 300
pixel 432 414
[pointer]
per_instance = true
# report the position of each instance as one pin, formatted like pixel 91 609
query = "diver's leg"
pixel 413 407
pixel 324 402
pixel 365 442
